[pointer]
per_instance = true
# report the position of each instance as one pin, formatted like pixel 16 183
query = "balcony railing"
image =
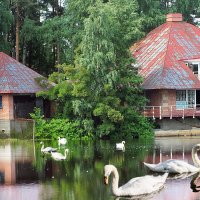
pixel 171 111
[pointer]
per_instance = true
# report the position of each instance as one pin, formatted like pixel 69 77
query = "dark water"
pixel 25 174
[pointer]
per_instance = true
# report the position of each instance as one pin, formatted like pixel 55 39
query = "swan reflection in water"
pixel 140 197
pixel 193 183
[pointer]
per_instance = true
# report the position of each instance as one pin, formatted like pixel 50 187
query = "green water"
pixel 25 173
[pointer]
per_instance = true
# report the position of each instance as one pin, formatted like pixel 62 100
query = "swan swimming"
pixel 62 141
pixel 47 149
pixel 59 156
pixel 177 166
pixel 120 146
pixel 136 186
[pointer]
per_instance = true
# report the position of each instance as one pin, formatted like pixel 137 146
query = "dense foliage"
pixel 54 128
pixel 43 33
pixel 97 90
pixel 101 90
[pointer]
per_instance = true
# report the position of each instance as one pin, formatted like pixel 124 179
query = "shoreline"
pixel 174 133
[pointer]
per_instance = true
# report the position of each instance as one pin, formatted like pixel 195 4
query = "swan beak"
pixel 106 180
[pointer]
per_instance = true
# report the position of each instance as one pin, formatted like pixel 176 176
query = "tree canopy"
pixel 83 46
pixel 100 88
pixel 43 33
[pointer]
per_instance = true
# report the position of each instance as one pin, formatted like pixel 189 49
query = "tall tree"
pixel 51 34
pixel 102 89
pixel 75 13
pixel 6 20
pixel 22 9
pixel 186 7
pixel 152 13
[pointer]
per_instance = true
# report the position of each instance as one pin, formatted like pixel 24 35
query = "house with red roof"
pixel 168 59
pixel 18 88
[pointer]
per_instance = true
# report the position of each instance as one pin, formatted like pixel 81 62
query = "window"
pixel 181 95
pixel 181 99
pixel 195 68
pixel 1 102
pixel 185 99
pixel 191 98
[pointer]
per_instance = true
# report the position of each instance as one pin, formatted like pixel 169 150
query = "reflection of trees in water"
pixel 48 169
pixel 25 172
pixel 76 177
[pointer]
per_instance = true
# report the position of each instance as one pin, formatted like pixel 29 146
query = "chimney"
pixel 174 17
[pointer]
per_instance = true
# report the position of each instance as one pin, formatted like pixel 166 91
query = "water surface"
pixel 26 174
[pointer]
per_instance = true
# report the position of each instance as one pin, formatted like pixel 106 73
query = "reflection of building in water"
pixel 16 165
pixel 160 156
pixel 172 148
pixel 7 171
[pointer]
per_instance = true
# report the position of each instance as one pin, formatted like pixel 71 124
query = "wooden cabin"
pixel 168 59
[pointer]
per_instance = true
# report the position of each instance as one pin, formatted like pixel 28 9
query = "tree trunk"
pixel 17 32
pixel 58 53
pixel 24 55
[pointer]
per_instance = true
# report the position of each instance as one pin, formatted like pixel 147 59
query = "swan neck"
pixel 195 157
pixel 115 181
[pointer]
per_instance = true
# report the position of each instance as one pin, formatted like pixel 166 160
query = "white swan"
pixel 59 156
pixel 62 141
pixel 174 176
pixel 177 166
pixel 120 146
pixel 135 187
pixel 47 149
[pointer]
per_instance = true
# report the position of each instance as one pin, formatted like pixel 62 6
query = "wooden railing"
pixel 171 111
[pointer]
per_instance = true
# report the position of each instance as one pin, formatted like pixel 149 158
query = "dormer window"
pixel 194 66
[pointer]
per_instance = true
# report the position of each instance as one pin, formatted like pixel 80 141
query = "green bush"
pixel 136 125
pixel 53 128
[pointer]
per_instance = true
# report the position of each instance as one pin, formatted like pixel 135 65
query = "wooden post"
pixel 160 112
pixel 153 113
pixel 171 113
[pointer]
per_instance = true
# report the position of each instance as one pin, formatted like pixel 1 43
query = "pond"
pixel 25 173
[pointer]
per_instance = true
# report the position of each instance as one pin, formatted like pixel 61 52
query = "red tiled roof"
pixel 161 53
pixel 16 77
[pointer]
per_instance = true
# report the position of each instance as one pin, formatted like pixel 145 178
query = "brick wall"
pixel 6 112
pixel 161 97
